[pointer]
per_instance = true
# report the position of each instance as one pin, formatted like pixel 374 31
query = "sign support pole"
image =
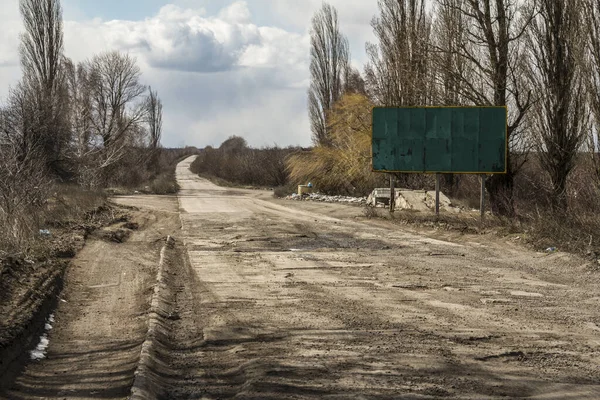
pixel 437 195
pixel 482 197
pixel 392 193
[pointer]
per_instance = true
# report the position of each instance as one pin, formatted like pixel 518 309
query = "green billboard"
pixel 440 139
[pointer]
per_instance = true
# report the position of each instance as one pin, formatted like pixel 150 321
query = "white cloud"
pixel 218 73
pixel 237 12
pixel 354 15
pixel 9 50
pixel 187 40
pixel 217 76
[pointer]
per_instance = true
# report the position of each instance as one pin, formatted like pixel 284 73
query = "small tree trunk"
pixel 500 188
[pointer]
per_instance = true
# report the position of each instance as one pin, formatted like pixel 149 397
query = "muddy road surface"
pixel 272 299
pixel 102 315
pixel 280 300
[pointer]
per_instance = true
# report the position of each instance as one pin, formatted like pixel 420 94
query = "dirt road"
pixel 101 320
pixel 281 302
pixel 272 299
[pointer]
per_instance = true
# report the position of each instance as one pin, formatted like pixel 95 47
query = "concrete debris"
pixel 328 199
pixel 415 200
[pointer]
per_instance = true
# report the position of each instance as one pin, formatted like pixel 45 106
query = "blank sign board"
pixel 440 139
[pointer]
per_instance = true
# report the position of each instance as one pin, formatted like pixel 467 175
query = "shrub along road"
pixel 279 299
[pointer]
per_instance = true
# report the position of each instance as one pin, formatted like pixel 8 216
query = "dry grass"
pixel 165 183
pixel 284 191
pixel 371 212
pixel 537 225
pixel 70 203
pixel 343 166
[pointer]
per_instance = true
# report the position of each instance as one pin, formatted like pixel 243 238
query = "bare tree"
pixel 449 35
pixel 592 33
pixel 556 44
pixel 449 68
pixel 329 63
pixel 154 120
pixel 116 106
pixel 492 74
pixel 41 59
pixel 21 122
pixel 354 82
pixel 398 72
pixel 154 111
pixel 80 109
pixel 24 184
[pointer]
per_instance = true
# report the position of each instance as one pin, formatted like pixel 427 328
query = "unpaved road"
pixel 290 300
pixel 101 320
pixel 281 302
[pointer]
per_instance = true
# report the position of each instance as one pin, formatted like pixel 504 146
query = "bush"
pixel 24 190
pixel 145 167
pixel 284 191
pixel 343 166
pixel 165 183
pixel 239 164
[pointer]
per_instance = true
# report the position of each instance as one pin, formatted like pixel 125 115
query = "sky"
pixel 221 67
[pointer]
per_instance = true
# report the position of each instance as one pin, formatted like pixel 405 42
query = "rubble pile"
pixel 328 199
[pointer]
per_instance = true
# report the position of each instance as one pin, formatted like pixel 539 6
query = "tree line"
pixel 540 58
pixel 92 123
pixel 235 162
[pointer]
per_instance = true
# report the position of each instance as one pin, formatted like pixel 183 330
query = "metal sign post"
pixel 392 193
pixel 482 197
pixel 437 195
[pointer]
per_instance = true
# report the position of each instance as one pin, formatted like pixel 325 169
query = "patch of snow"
pixel 39 353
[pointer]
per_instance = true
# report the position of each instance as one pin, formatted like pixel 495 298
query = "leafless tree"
pixel 556 49
pixel 398 72
pixel 449 35
pixel 41 59
pixel 22 121
pixel 354 82
pixel 492 74
pixel 80 108
pixel 449 68
pixel 24 183
pixel 154 112
pixel 116 103
pixel 592 33
pixel 329 63
pixel 154 120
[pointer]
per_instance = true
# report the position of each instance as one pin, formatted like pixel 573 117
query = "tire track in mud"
pixel 172 328
pixel 101 318
pixel 147 381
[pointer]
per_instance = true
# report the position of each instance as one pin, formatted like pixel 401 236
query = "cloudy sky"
pixel 221 67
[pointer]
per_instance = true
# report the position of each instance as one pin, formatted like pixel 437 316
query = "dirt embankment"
pixel 29 287
pixel 100 315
